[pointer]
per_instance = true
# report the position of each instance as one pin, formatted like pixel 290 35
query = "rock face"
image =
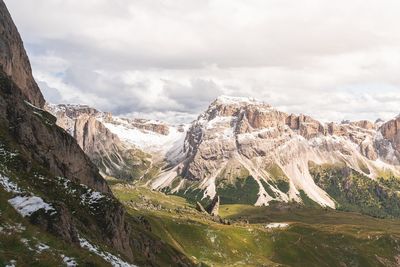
pixel 152 126
pixel 14 61
pixel 41 143
pixel 105 149
pixel 390 141
pixel 213 208
pixel 98 133
pixel 241 144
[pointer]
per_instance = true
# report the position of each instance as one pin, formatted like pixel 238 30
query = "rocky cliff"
pixel 14 61
pixel 130 149
pixel 389 144
pixel 248 152
pixel 112 156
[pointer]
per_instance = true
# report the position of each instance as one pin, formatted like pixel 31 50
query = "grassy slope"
pixel 315 237
pixel 20 240
pixel 15 230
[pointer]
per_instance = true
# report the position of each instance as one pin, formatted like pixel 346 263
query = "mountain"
pixel 55 207
pixel 129 149
pixel 245 151
pixel 162 140
pixel 112 156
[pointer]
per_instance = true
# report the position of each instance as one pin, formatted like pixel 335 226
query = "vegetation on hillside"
pixel 354 191
pixel 314 236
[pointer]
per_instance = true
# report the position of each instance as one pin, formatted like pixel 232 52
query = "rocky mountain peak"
pixel 243 137
pixel 232 106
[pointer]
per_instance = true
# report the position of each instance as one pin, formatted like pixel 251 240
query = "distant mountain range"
pixel 247 152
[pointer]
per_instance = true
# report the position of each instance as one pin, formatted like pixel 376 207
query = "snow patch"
pixel 9 185
pixel 276 225
pixel 12 263
pixel 148 140
pixel 26 206
pixel 113 260
pixel 91 197
pixel 42 247
pixel 69 262
pixel 229 100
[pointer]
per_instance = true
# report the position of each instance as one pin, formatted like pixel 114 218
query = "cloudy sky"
pixel 168 59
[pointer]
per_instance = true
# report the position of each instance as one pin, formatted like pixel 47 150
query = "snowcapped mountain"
pixel 120 147
pixel 162 140
pixel 246 151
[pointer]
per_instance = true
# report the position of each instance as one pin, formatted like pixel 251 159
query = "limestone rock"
pixel 213 208
pixel 389 144
pixel 200 207
pixel 14 61
pixel 105 149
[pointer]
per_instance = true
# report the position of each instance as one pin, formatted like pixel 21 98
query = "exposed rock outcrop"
pixel 213 208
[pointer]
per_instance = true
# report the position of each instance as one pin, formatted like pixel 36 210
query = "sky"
pixel 169 59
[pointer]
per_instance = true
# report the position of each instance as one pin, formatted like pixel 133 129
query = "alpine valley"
pixel 242 185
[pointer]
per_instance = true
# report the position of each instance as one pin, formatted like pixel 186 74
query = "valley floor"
pixel 279 235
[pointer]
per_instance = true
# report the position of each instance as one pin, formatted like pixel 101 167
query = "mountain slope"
pixel 278 235
pixel 47 179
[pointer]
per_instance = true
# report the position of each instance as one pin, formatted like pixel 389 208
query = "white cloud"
pixel 331 59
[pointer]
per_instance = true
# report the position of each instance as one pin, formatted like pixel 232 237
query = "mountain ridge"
pixel 239 136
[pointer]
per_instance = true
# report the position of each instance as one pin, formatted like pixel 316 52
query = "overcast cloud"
pixel 168 59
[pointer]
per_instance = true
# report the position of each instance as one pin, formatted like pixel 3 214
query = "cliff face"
pixel 112 156
pixel 14 61
pixel 389 143
pixel 81 122
pixel 42 145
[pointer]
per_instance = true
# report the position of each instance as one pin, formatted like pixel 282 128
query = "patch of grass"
pixel 279 177
pixel 243 191
pixel 307 201
pixel 268 189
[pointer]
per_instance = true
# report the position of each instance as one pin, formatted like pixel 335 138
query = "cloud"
pixel 333 60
